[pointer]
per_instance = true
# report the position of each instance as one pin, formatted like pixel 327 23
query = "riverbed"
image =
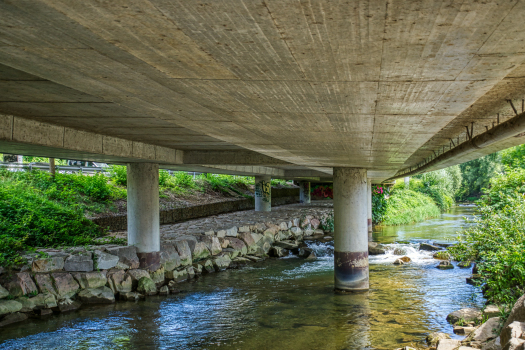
pixel 280 304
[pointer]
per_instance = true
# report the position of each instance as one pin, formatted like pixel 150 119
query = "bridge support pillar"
pixel 304 192
pixel 143 213
pixel 263 193
pixel 350 223
pixel 369 205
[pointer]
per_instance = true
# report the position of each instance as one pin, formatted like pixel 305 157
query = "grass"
pixel 407 206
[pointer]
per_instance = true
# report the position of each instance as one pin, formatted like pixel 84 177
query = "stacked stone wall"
pixel 280 196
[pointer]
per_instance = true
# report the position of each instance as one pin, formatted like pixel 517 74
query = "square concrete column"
pixel 143 213
pixel 369 206
pixel 263 193
pixel 351 232
pixel 304 192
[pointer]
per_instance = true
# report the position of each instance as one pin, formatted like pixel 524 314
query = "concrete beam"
pixel 230 158
pixel 29 137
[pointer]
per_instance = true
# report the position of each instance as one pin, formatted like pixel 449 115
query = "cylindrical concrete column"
pixel 143 213
pixel 350 223
pixel 304 192
pixel 369 205
pixel 263 193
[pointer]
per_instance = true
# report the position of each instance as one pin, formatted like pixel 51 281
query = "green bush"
pixel 406 206
pixel 504 189
pixel 497 242
pixel 441 185
pixel 119 174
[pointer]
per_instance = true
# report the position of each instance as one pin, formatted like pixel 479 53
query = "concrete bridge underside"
pixel 290 89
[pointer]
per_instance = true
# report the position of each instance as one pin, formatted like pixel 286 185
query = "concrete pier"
pixel 369 205
pixel 263 193
pixel 304 194
pixel 351 236
pixel 143 213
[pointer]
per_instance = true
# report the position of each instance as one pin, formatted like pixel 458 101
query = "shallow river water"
pixel 279 304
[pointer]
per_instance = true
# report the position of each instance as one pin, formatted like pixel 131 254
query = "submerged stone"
pixel 102 295
pixel 146 286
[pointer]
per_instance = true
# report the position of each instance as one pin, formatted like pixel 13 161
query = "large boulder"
pixel 468 315
pixel 101 295
pixel 45 284
pixel 136 275
pixel 169 257
pixel 200 252
pixel 44 301
pixel 94 279
pixel 213 244
pixel 28 304
pixel 80 262
pixel 428 247
pixel 9 306
pixel 517 313
pixel 22 284
pixel 177 275
pixel 65 284
pixel 514 330
pixel 158 277
pixel 375 249
pixel 435 337
pixel 448 344
pixel 238 245
pixel 222 262
pixel 127 255
pixel 232 232
pixel 3 292
pixel 184 251
pixel 105 261
pixel 487 330
pixel 119 282
pixel 55 263
pixel 279 252
pixel 247 238
pixel 146 286
pixel 445 265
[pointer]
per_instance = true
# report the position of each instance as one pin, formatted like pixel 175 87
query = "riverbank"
pixel 62 280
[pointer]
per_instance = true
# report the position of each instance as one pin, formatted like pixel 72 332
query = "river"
pixel 279 304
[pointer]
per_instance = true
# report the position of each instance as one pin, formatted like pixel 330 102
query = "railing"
pixel 58 168
pixel 65 169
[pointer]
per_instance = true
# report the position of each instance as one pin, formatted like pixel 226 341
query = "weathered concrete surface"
pixel 280 87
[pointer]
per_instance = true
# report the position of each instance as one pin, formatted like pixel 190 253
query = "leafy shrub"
pixel 441 185
pixel 406 206
pixel 119 174
pixel 504 189
pixel 497 243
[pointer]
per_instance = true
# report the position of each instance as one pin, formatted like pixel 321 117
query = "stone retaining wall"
pixel 60 280
pixel 280 196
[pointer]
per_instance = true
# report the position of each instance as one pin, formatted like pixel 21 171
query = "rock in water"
pixel 448 344
pixel 434 338
pixel 468 315
pixel 400 251
pixel 405 259
pixel 399 262
pixel 442 255
pixel 130 296
pixel 9 306
pixel 164 290
pixel 445 265
pixel 465 264
pixel 428 247
pixel 101 295
pixel 146 286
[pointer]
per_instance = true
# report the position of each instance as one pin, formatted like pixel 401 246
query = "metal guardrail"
pixel 58 168
pixel 65 169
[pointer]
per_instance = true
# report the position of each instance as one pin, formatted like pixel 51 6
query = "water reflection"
pixel 286 303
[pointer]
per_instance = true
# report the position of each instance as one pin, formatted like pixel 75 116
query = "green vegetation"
pixel 428 195
pixel 37 210
pixel 497 240
pixel 476 175
pixel 406 206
